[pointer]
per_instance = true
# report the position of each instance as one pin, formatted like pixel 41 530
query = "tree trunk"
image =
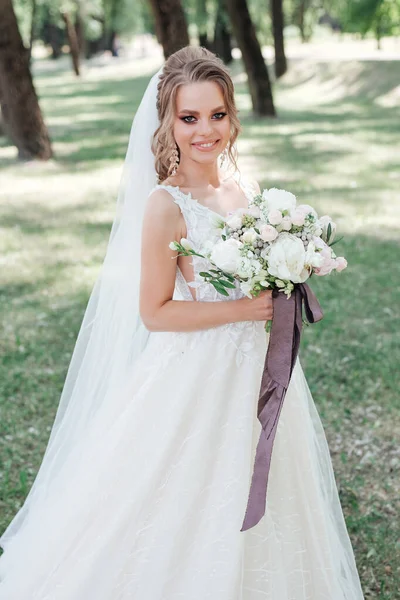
pixel 201 22
pixel 80 30
pixel 72 41
pixel 277 26
pixel 55 39
pixel 111 28
pixel 171 25
pixel 300 14
pixel 19 104
pixel 257 72
pixel 222 36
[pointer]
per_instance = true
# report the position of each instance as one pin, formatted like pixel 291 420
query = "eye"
pixel 219 116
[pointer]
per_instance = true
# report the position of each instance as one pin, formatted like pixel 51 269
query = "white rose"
pixel 173 246
pixel 286 259
pixel 226 255
pixel 279 199
pixel 234 222
pixel 307 209
pixel 244 268
pixel 254 211
pixel 286 223
pixel 268 233
pixel 313 258
pixel 275 216
pixel 250 236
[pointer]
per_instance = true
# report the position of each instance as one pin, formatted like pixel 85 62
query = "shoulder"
pixel 161 203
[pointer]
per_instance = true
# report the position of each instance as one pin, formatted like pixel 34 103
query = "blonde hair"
pixel 190 64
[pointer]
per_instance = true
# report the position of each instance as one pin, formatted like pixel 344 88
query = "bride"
pixel 143 487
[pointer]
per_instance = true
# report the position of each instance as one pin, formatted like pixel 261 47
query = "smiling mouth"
pixel 205 144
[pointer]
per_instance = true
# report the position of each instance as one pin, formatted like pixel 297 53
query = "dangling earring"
pixel 174 162
pixel 224 156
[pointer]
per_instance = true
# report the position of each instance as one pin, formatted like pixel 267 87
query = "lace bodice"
pixel 201 228
pixel 248 337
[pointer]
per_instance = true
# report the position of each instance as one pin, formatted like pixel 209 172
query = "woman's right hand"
pixel 258 308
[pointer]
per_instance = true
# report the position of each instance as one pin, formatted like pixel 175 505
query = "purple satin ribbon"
pixel 281 357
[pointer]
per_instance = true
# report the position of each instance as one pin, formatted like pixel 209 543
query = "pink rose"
pixel 298 217
pixel 268 233
pixel 275 216
pixel 341 263
pixel 328 262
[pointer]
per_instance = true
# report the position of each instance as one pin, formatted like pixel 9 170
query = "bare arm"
pixel 162 224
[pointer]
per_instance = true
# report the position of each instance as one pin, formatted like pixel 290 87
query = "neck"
pixel 196 175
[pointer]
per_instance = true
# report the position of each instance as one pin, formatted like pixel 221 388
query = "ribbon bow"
pixel 281 357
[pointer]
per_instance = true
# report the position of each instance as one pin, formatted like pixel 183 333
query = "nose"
pixel 204 127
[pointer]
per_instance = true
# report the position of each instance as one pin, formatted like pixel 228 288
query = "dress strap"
pixel 179 197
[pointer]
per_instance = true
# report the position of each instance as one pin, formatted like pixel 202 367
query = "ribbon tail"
pixel 281 357
pixel 312 307
pixel 269 418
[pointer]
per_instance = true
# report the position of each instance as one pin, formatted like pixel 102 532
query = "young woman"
pixel 143 488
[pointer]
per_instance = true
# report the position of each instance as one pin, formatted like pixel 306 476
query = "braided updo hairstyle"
pixel 190 64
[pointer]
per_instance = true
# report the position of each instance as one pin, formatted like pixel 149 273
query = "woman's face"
pixel 201 125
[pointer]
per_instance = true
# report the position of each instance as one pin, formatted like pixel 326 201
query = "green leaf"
pixel 220 288
pixel 227 284
pixel 329 231
pixel 336 241
pixel 204 274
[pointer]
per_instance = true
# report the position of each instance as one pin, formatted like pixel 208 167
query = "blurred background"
pixel 318 91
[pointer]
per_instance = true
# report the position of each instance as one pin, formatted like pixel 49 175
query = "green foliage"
pixel 382 17
pixel 98 16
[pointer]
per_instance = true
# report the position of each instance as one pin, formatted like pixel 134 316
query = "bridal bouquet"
pixel 273 244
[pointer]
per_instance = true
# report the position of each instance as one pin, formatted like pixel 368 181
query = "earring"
pixel 224 156
pixel 174 162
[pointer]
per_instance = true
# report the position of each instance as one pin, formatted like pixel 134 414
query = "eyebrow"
pixel 195 112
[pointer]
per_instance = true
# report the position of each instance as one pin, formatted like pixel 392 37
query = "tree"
pixel 202 22
pixel 171 26
pixel 305 25
pixel 72 40
pixel 222 34
pixel 257 71
pixel 277 27
pixel 22 117
pixel 380 16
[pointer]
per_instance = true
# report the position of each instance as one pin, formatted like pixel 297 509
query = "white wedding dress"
pixel 157 491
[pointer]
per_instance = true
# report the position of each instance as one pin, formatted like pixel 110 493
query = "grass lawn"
pixel 334 146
